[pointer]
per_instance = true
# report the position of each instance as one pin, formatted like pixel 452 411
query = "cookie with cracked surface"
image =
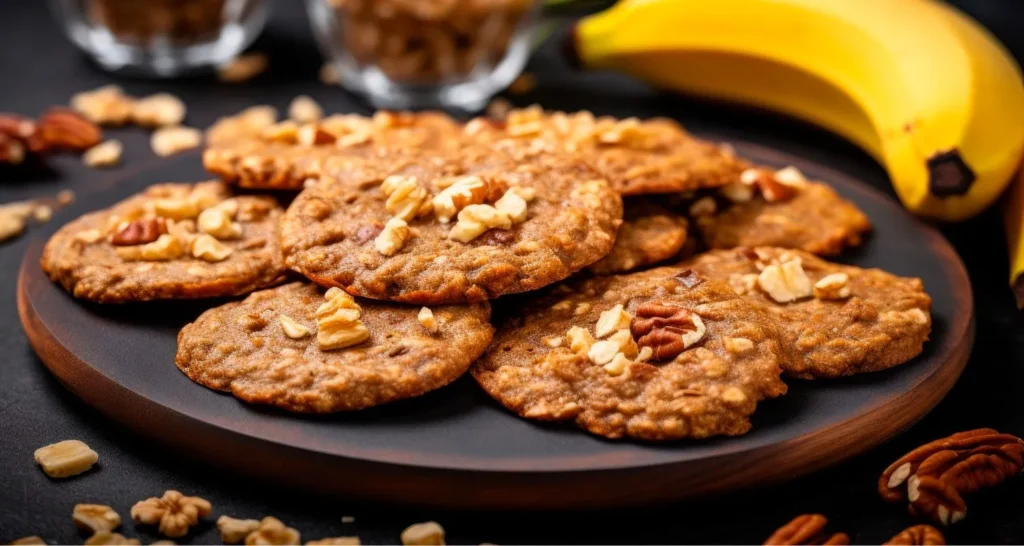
pixel 808 216
pixel 649 234
pixel 637 156
pixel 172 241
pixel 299 349
pixel 428 236
pixel 837 320
pixel 662 354
pixel 284 155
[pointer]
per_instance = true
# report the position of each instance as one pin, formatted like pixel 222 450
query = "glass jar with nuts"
pixel 161 37
pixel 425 53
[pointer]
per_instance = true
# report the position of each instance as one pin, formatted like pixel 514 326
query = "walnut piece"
pixel 159 110
pixel 248 123
pixel 293 328
pixel 393 237
pixel 938 474
pixel 67 458
pixel 406 198
pixel 775 186
pixel 273 531
pixel 474 220
pixel 737 192
pixel 107 105
pixel 234 531
pixel 13 217
pixel 785 282
pixel 612 320
pixel 464 191
pixel 427 320
pixel 138 232
pixel 167 141
pixel 95 517
pixel 428 533
pixel 806 529
pixel 104 154
pixel 918 535
pixel 207 248
pixel 667 329
pixel 832 287
pixel 303 109
pixel 173 513
pixel 111 539
pixel 217 221
pixel 286 132
pixel 338 321
pixel 312 134
pixel 579 340
pixel 243 68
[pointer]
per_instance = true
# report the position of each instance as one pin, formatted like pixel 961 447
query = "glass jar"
pixel 425 53
pixel 161 37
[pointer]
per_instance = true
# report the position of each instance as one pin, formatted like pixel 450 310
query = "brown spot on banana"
pixel 948 174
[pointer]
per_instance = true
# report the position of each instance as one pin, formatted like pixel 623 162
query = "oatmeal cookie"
pixel 284 155
pixel 171 241
pixel 638 157
pixel 662 354
pixel 649 234
pixel 299 349
pixel 489 227
pixel 808 216
pixel 837 320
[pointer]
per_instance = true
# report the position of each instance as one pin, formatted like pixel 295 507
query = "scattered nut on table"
pixel 111 539
pixel 272 531
pixel 95 517
pixel 234 531
pixel 66 458
pixel 173 513
pixel 806 529
pixel 167 141
pixel 104 154
pixel 429 533
pixel 243 68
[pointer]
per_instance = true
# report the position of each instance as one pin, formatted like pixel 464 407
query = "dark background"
pixel 39 68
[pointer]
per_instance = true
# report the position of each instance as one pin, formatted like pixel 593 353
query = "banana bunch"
pixel 920 86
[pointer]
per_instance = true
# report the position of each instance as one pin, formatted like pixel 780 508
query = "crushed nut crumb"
pixel 167 141
pixel 243 68
pixel 427 320
pixel 832 287
pixel 104 154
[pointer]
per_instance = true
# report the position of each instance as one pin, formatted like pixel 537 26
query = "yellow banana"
pixel 918 85
pixel 1013 217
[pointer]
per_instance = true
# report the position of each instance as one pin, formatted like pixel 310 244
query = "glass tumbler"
pixel 162 38
pixel 409 54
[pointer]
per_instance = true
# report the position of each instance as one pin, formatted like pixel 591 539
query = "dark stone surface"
pixel 39 68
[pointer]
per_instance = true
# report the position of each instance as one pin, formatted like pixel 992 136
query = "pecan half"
pixel 64 129
pixel 918 535
pixel 806 529
pixel 667 329
pixel 139 232
pixel 937 475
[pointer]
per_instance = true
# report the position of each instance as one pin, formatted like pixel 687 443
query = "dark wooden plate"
pixel 457 448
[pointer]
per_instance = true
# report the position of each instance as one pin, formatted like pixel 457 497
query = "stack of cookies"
pixel 377 282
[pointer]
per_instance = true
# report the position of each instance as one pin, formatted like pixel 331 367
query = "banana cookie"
pixel 282 156
pixel 490 226
pixel 637 157
pixel 780 208
pixel 649 234
pixel 662 354
pixel 171 241
pixel 836 320
pixel 301 349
